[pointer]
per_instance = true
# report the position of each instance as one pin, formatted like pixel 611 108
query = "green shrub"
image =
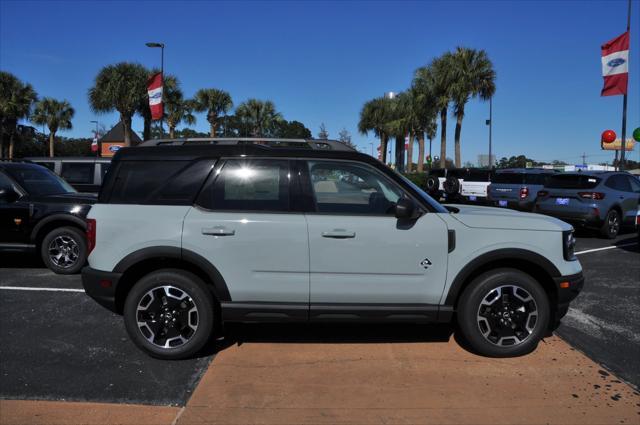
pixel 419 179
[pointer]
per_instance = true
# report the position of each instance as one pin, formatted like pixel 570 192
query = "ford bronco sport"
pixel 190 234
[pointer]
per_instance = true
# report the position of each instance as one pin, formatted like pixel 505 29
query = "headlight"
pixel 568 245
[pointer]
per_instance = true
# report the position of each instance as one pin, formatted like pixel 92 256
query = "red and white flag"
pixel 154 89
pixel 615 65
pixel 94 143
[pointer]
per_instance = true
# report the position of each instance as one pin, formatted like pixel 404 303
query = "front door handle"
pixel 218 231
pixel 339 234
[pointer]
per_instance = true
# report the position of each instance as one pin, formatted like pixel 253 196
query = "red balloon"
pixel 608 136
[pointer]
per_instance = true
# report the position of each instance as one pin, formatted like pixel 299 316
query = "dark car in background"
pixel 85 174
pixel 602 200
pixel 517 188
pixel 41 212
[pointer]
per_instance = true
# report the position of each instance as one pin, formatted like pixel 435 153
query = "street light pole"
pixel 96 122
pixel 371 148
pixel 161 46
pixel 490 122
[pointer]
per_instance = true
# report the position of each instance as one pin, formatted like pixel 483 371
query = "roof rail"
pixel 315 144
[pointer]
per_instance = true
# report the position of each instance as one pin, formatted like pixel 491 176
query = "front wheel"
pixel 503 313
pixel 169 314
pixel 64 250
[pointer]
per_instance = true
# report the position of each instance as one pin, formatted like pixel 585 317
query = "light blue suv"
pixel 601 200
pixel 191 234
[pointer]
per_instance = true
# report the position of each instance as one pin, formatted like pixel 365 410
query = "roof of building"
pixel 116 134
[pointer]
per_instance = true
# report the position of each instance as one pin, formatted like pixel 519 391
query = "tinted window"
pixel 136 181
pixel 50 165
pixel 635 184
pixel 508 178
pixel 349 188
pixel 538 178
pixel 618 182
pixel 38 180
pixel 77 172
pixel 249 185
pixel 5 183
pixel 572 181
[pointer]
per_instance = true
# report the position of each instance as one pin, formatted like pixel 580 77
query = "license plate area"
pixel 562 201
pixel 502 203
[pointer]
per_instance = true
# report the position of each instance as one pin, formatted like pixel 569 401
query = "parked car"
pixel 517 188
pixel 41 212
pixel 85 174
pixel 460 185
pixel 189 236
pixel 601 200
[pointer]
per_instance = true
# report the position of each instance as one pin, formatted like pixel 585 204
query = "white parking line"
pixel 27 288
pixel 605 248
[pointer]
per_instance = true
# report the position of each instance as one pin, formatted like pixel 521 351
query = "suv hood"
pixel 68 198
pixel 501 218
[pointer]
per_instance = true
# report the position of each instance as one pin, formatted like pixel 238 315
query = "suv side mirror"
pixel 8 195
pixel 406 208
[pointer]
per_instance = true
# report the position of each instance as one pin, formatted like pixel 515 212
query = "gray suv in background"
pixel 602 200
pixel 517 188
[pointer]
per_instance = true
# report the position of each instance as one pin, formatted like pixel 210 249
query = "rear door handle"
pixel 339 234
pixel 218 231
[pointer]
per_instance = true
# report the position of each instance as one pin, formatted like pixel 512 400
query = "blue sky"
pixel 320 61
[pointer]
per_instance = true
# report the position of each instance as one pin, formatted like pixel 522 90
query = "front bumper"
pixel 102 287
pixel 568 288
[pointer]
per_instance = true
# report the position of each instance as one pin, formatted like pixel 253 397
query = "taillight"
pixel 638 219
pixel 591 195
pixel 542 193
pixel 91 235
pixel 524 192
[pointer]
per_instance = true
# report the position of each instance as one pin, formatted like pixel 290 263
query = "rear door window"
pixel 572 181
pixel 618 182
pixel 77 172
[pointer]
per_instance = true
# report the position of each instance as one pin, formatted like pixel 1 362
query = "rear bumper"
pixel 588 216
pixel 516 205
pixel 567 294
pixel 101 286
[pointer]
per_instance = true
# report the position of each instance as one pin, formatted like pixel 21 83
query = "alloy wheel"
pixel 507 315
pixel 64 251
pixel 167 316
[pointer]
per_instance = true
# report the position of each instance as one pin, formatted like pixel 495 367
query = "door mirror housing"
pixel 8 195
pixel 406 209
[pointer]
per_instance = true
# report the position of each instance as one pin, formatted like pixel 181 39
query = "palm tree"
pixel 436 80
pixel 399 117
pixel 431 131
pixel 16 100
pixel 425 115
pixel 55 114
pixel 121 87
pixel 259 115
pixel 373 117
pixel 473 76
pixel 177 110
pixel 214 102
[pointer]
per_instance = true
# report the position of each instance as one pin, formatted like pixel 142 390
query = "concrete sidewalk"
pixel 374 383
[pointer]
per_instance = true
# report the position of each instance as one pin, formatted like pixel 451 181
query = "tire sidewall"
pixel 195 288
pixel 80 240
pixel 478 289
pixel 605 226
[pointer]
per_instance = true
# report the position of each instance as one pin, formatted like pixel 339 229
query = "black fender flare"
pixel 72 219
pixel 220 288
pixel 499 254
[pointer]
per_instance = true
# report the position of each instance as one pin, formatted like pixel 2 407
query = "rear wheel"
pixel 64 250
pixel 611 226
pixel 503 313
pixel 169 314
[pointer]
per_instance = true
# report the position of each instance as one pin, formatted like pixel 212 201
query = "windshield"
pixel 435 204
pixel 38 181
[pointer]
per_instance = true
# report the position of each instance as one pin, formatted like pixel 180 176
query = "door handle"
pixel 218 231
pixel 339 234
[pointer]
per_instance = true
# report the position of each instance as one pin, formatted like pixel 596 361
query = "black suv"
pixel 41 212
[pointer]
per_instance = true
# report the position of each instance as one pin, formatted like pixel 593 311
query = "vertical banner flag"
pixel 94 143
pixel 615 65
pixel 154 89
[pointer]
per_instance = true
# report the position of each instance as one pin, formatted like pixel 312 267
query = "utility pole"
pixel 490 124
pixel 584 158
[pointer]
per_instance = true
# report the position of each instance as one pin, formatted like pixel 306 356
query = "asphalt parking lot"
pixel 60 345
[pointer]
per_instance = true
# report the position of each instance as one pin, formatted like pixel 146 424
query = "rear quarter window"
pixel 155 182
pixel 572 181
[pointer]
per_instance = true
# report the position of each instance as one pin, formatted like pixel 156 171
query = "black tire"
pixel 451 185
pixel 64 250
pixel 188 289
pixel 433 185
pixel 474 318
pixel 611 226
